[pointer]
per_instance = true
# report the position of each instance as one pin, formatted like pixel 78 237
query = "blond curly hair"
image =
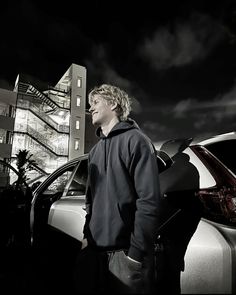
pixel 112 94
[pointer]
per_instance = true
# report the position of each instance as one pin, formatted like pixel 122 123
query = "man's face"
pixel 101 111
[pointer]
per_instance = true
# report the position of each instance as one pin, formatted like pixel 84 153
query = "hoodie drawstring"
pixel 107 149
pixel 105 161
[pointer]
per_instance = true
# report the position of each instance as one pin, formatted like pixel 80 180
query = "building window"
pixel 2 135
pixel 77 144
pixel 79 82
pixel 77 124
pixel 78 101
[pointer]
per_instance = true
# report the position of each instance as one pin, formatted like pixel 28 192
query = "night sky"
pixel 176 58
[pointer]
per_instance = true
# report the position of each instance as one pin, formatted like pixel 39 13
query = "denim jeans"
pixel 127 276
pixel 91 272
pixel 112 273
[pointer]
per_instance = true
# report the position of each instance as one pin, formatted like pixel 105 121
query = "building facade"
pixel 52 124
pixel 7 119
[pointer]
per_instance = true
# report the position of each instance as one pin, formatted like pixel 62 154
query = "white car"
pixel 210 261
pixel 57 209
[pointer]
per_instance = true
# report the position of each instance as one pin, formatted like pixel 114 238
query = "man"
pixel 122 199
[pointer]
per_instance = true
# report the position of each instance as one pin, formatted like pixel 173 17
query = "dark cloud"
pixel 183 43
pixel 175 58
pixel 191 117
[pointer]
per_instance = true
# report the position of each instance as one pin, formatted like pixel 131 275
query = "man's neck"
pixel 106 128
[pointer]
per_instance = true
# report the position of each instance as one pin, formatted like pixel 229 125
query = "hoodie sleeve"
pixel 144 171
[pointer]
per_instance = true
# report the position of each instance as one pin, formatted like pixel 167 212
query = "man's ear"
pixel 113 106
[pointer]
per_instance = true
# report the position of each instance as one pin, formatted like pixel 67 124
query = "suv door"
pixel 45 195
pixel 67 214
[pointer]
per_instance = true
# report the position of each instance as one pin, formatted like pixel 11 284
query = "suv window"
pixel 77 187
pixel 59 183
pixel 225 152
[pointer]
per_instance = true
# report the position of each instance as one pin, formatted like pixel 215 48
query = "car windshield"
pixel 225 152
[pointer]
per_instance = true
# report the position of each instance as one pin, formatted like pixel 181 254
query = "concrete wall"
pixel 78 91
pixel 8 97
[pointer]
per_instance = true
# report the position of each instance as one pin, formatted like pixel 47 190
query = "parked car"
pixel 207 167
pixel 210 257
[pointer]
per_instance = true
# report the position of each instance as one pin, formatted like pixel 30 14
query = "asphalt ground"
pixel 30 271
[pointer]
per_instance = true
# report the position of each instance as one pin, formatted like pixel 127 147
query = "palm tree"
pixel 24 163
pixel 23 195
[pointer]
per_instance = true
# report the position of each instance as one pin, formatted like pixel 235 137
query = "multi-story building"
pixel 52 124
pixel 7 114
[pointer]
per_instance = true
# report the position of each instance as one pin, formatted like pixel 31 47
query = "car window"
pixel 77 186
pixel 58 184
pixel 225 152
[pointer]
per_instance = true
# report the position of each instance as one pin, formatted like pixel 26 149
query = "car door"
pixel 56 207
pixel 67 214
pixel 48 192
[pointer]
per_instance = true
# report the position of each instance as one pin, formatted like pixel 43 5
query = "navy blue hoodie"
pixel 123 192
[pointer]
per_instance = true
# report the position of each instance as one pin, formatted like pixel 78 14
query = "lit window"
pixel 77 124
pixel 78 101
pixel 77 144
pixel 79 82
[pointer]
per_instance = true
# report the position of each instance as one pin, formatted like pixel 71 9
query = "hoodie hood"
pixel 120 127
